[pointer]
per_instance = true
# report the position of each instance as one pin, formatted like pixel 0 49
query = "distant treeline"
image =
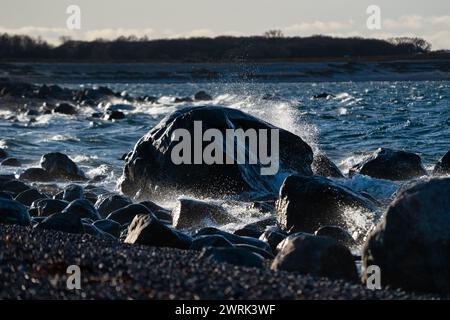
pixel 219 49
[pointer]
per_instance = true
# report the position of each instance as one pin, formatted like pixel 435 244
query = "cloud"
pixel 405 22
pixel 115 33
pixel 441 21
pixel 314 27
pixel 435 29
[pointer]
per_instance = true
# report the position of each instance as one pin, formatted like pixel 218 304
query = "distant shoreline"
pixel 305 70
pixel 432 56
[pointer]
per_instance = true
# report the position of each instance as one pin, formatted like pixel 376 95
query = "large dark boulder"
pixel 150 169
pixel 114 115
pixel 235 256
pixel 11 162
pixel 307 203
pixel 27 197
pixel 160 212
pixel 107 203
pixel 126 214
pixel 83 208
pixel 443 166
pixel 13 186
pixel 73 192
pixel 411 245
pixel 62 221
pixel 190 213
pixel 65 108
pixel 60 166
pixel 13 212
pixel 35 174
pixel 110 226
pixel 323 166
pixel 316 256
pixel 47 207
pixel 202 96
pixel 391 165
pixel 147 230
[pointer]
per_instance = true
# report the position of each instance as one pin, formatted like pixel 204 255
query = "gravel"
pixel 33 265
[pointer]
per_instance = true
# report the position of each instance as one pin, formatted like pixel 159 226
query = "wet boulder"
pixel 202 96
pixel 411 245
pixel 96 232
pixel 73 192
pixel 60 166
pixel 65 108
pixel 316 256
pixel 47 207
pixel 323 166
pixel 11 162
pixel 68 222
pixel 201 242
pixel 323 95
pixel 13 212
pixel 119 107
pixel 83 208
pixel 126 214
pixel 183 99
pixel 27 197
pixel 443 166
pixel 273 237
pixel 235 256
pixel 110 226
pixel 337 233
pixel 150 168
pixel 160 212
pixel 307 203
pixel 190 213
pixel 107 203
pixel 114 115
pixel 94 94
pixel 35 174
pixel 13 186
pixel 147 230
pixel 391 165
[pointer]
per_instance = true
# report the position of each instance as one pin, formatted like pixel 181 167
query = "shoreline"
pixel 34 264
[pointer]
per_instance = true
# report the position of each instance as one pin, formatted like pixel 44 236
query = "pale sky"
pixel 184 18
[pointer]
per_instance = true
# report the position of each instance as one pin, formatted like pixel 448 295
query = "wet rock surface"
pixel 317 256
pixel 392 165
pixel 147 230
pixel 307 203
pixel 411 245
pixel 60 166
pixel 190 213
pixel 150 165
pixel 443 165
